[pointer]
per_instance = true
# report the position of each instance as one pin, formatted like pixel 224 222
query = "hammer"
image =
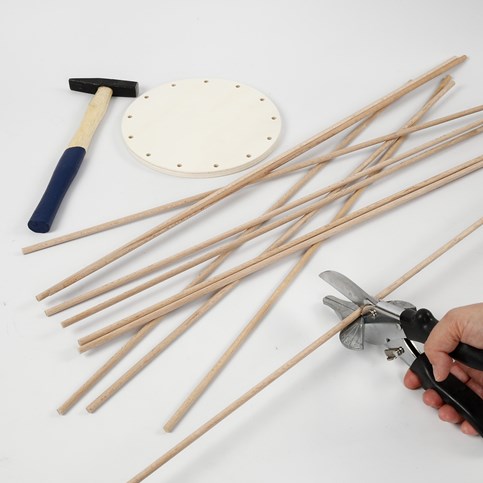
pixel 68 165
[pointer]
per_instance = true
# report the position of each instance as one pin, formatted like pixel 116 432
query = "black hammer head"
pixel 120 88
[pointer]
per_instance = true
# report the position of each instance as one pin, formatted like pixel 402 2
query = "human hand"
pixel 463 324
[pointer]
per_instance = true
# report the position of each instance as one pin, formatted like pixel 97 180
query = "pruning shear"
pixel 398 326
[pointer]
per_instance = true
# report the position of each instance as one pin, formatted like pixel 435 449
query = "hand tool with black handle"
pixel 397 325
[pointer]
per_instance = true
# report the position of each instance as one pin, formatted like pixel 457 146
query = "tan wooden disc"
pixel 201 127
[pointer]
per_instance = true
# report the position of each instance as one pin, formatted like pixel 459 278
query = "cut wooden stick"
pixel 316 161
pixel 386 151
pixel 220 294
pixel 146 315
pixel 248 235
pixel 440 143
pixel 250 231
pixel 172 303
pixel 296 359
pixel 141 334
pixel 236 185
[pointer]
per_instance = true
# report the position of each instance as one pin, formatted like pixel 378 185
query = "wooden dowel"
pixel 108 225
pixel 125 349
pixel 385 152
pixel 371 142
pixel 141 334
pixel 201 387
pixel 144 316
pixel 251 234
pixel 277 208
pixel 290 169
pixel 191 199
pixel 389 148
pixel 214 299
pixel 118 328
pixel 423 264
pixel 92 230
pixel 295 360
pixel 268 215
pixel 236 185
pixel 248 235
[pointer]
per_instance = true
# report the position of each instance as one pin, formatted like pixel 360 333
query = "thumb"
pixel 441 363
pixel 442 340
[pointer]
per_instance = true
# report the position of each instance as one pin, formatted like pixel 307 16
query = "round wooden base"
pixel 201 127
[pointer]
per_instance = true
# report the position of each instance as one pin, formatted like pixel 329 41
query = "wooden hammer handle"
pixel 95 112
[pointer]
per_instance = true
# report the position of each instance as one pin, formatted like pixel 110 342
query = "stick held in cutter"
pixel 295 360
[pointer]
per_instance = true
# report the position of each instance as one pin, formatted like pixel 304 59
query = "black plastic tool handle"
pixel 417 325
pixel 453 392
pixel 64 173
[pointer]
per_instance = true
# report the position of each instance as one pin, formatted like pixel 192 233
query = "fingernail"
pixel 438 374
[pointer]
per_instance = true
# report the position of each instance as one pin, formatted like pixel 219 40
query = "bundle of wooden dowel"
pixel 381 162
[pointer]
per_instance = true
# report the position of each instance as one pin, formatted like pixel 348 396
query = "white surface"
pixel 337 417
pixel 201 128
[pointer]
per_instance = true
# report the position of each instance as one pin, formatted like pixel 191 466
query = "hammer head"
pixel 120 88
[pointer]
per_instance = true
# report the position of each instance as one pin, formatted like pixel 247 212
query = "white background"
pixel 339 416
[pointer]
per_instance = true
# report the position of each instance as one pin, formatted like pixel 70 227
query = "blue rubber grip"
pixel 65 171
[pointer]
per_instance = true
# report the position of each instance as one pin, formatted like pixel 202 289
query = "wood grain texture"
pixel 168 305
pixel 337 192
pixel 93 116
pixel 271 175
pixel 427 149
pixel 220 294
pixel 144 331
pixel 384 152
